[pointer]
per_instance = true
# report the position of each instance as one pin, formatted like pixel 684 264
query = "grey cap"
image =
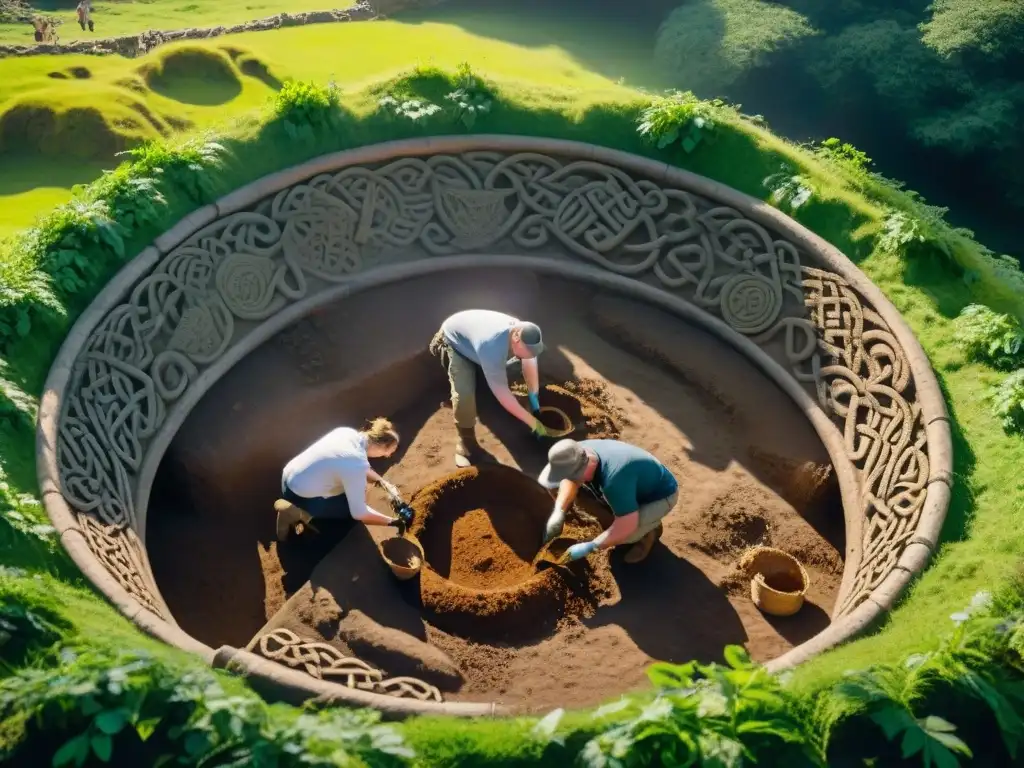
pixel 567 460
pixel 531 338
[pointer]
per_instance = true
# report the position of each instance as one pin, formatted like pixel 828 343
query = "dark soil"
pixel 750 468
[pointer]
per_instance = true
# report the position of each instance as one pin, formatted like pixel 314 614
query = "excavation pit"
pixel 482 530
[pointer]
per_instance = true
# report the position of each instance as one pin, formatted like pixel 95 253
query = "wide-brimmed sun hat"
pixel 567 460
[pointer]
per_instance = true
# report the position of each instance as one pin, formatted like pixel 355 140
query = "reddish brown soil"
pixel 750 470
pixel 482 530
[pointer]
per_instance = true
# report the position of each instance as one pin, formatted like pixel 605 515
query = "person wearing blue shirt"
pixel 637 488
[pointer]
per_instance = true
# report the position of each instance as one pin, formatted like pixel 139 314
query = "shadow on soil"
pixel 671 610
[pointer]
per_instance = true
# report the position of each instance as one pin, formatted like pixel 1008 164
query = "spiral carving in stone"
pixel 246 283
pixel 751 303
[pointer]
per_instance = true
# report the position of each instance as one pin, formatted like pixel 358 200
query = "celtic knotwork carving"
pixel 862 377
pixel 206 294
pixel 319 232
pixel 325 662
pixel 118 549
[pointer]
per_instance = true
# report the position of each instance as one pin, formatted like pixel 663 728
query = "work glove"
pixel 539 430
pixel 534 399
pixel 554 526
pixel 581 550
pixel 403 519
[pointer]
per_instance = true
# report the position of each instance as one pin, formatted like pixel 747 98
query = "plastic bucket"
pixel 404 556
pixel 778 581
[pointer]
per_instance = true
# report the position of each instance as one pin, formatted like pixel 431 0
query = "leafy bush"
pixel 788 188
pixel 989 337
pixel 709 44
pixel 1008 402
pixel 306 108
pixel 471 98
pixel 98 706
pixel 707 715
pixel 994 28
pixel 678 117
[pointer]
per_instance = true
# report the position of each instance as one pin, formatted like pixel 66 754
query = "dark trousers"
pixel 324 507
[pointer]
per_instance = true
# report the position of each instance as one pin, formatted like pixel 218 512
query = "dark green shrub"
pixel 304 109
pixel 678 118
pixel 989 337
pixel 1008 402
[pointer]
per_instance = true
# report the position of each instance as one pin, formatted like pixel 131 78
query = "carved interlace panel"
pixel 862 378
pixel 212 289
pixel 325 662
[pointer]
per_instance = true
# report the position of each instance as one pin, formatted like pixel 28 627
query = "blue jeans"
pixel 324 507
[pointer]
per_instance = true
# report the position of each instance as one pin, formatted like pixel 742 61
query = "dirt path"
pixel 743 454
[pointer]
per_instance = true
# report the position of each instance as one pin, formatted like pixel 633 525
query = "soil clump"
pixel 482 529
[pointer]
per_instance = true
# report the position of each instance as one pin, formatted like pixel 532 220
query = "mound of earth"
pixel 482 530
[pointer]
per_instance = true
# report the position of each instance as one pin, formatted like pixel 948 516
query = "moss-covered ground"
pixel 537 92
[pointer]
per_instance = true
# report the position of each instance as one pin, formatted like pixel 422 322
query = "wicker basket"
pixel 567 425
pixel 399 550
pixel 778 581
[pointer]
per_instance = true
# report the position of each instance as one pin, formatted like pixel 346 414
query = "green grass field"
pixel 114 18
pixel 197 84
pixel 542 90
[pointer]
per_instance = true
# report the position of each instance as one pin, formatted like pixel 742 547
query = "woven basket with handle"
pixel 567 425
pixel 400 549
pixel 778 581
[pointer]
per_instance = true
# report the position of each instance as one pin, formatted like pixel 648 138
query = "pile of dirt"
pixel 353 603
pixel 482 529
pixel 801 483
pixel 742 518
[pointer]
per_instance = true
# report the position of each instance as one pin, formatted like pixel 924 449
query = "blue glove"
pixel 534 401
pixel 581 550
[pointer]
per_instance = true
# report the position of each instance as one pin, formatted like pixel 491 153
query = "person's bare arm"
pixel 567 491
pixel 509 402
pixel 370 516
pixel 355 490
pixel 531 373
pixel 620 530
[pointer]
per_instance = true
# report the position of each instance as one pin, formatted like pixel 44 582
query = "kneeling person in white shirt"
pixel 328 479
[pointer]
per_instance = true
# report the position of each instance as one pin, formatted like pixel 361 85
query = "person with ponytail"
pixel 328 479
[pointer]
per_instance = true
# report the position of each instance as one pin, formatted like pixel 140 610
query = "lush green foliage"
pixel 134 706
pixel 714 42
pixel 678 118
pixel 942 82
pixel 156 714
pixel 304 109
pixel 991 27
pixel 471 97
pixel 990 337
pixel 1008 402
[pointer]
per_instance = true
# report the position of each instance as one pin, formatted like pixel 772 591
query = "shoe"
pixel 465 444
pixel 639 551
pixel 289 516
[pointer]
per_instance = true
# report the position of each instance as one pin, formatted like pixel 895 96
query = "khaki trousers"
pixel 461 378
pixel 652 514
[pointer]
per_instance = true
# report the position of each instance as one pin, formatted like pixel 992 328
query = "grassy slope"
pixel 130 17
pixel 985 533
pixel 350 53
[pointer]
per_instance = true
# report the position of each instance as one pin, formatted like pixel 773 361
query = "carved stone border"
pixel 857 372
